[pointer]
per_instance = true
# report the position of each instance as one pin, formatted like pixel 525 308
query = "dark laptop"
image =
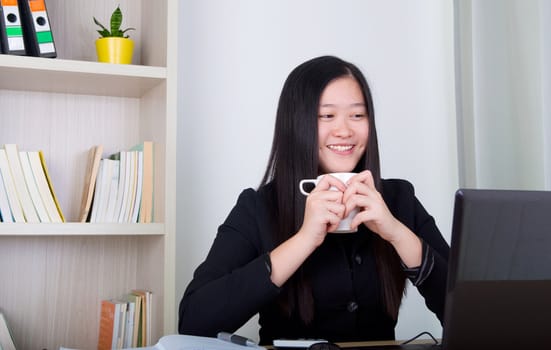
pixel 499 279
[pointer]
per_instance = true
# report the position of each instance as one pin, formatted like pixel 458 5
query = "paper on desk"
pixel 191 342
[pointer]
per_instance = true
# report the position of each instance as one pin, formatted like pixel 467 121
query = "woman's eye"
pixel 358 116
pixel 326 116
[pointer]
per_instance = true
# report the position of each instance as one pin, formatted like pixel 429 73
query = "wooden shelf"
pixel 81 229
pixel 57 274
pixel 77 77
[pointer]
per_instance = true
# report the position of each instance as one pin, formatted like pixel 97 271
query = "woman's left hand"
pixel 373 211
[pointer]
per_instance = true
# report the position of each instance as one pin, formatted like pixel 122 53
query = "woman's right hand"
pixel 324 209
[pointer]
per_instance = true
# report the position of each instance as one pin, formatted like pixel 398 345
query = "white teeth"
pixel 340 148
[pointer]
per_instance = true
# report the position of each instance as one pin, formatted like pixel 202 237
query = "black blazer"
pixel 233 283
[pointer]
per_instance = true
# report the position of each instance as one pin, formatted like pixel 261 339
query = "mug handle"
pixel 306 181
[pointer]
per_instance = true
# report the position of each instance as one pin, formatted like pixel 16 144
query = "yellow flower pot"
pixel 115 50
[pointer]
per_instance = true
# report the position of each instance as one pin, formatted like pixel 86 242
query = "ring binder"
pixel 11 30
pixel 37 34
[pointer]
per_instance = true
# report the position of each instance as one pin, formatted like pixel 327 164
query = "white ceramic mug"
pixel 344 225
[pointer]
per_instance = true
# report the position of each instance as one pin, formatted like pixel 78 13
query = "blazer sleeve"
pixel 433 288
pixel 233 283
pixel 409 210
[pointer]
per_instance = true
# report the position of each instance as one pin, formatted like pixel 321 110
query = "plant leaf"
pixel 116 21
pixel 127 29
pixel 104 31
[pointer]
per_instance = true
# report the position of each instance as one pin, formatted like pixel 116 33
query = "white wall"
pixel 505 85
pixel 545 21
pixel 235 56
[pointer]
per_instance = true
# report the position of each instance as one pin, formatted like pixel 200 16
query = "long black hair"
pixel 294 156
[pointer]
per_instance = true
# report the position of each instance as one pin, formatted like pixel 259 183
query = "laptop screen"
pixel 499 277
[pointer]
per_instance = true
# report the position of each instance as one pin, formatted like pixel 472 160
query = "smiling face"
pixel 342 126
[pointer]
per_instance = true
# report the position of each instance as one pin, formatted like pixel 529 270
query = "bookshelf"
pixel 54 276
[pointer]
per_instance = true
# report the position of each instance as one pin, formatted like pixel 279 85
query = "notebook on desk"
pixel 499 279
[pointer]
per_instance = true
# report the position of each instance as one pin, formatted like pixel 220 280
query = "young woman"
pixel 274 255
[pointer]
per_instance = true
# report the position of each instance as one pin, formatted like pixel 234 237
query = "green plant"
pixel 116 21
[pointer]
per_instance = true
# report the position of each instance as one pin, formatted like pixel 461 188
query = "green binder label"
pixel 14 31
pixel 44 37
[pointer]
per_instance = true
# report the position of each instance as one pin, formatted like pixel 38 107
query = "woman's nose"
pixel 342 127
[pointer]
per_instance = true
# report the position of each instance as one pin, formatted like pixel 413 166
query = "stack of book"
pixel 26 191
pixel 119 188
pixel 126 322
